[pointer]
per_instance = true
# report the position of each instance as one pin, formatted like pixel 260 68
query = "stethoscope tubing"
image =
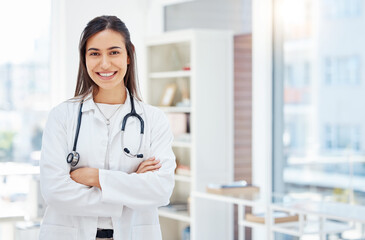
pixel 74 156
pixel 78 126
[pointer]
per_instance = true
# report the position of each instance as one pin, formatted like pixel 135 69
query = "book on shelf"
pixel 234 188
pixel 183 170
pixel 178 123
pixel 279 217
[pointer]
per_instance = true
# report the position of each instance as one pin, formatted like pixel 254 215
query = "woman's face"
pixel 107 59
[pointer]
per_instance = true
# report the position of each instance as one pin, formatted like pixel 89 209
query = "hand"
pixel 150 164
pixel 86 176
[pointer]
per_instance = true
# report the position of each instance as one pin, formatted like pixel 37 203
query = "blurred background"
pixel 298 89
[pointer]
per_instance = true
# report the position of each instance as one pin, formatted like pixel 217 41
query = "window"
pixel 342 71
pixel 337 9
pixel 297 75
pixel 25 89
pixel 295 133
pixel 297 83
pixel 25 98
pixel 318 101
pixel 341 137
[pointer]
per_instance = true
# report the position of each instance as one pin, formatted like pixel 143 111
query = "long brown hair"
pixel 85 84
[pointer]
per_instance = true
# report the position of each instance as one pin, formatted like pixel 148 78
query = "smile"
pixel 106 74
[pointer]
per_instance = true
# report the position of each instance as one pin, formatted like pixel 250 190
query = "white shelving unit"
pixel 315 218
pixel 199 63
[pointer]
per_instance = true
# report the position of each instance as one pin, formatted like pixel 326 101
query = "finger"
pixel 72 174
pixel 149 168
pixel 76 174
pixel 150 161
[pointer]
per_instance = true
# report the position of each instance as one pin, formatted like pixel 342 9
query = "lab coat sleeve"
pixel 59 191
pixel 144 190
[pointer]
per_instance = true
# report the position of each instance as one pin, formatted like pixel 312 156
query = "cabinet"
pixel 190 77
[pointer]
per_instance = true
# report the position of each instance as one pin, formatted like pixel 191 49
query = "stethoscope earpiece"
pixel 128 153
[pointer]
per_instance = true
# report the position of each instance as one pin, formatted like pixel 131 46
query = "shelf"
pixel 179 216
pixel 182 178
pixel 245 200
pixel 330 210
pixel 293 228
pixel 172 2
pixel 175 109
pixel 12 212
pixel 181 144
pixel 172 74
pixel 245 223
pixel 13 168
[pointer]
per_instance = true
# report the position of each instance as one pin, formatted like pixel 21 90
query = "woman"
pixel 100 182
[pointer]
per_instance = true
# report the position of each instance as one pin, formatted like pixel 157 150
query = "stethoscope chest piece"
pixel 73 158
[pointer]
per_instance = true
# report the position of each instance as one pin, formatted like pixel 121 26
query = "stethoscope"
pixel 74 157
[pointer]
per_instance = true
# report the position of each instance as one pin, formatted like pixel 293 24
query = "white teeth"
pixel 106 74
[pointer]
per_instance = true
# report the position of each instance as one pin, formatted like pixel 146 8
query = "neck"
pixel 111 96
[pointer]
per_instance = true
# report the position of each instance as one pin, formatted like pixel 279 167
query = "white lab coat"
pixel 130 199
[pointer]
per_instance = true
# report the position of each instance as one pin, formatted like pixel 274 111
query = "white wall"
pixel 142 17
pixel 233 15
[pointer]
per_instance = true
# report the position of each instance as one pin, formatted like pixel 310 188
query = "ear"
pixel 128 60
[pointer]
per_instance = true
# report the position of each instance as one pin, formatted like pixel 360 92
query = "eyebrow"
pixel 95 49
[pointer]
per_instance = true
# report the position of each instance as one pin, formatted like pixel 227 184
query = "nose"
pixel 105 63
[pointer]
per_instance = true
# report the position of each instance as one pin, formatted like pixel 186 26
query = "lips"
pixel 106 75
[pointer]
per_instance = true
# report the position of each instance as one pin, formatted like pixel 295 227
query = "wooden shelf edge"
pixel 170 74
pixel 175 109
pixel 182 178
pixel 181 144
pixel 180 216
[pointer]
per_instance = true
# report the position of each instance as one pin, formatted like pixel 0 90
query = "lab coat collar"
pixel 89 104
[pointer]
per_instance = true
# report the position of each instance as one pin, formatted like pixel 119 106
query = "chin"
pixel 110 85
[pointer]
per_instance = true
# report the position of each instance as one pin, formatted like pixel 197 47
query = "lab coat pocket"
pixel 143 232
pixel 56 232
